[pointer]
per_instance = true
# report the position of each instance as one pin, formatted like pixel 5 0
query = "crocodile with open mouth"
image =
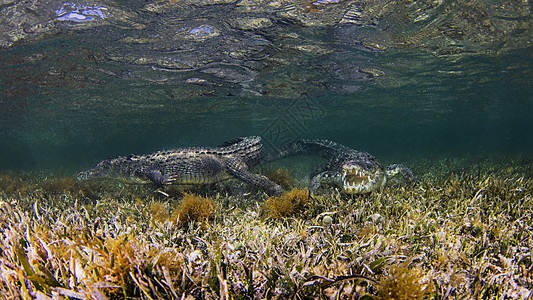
pixel 190 166
pixel 357 172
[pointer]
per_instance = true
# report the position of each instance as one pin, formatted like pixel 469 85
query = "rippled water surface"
pixel 81 81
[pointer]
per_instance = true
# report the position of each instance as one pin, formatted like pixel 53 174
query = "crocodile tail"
pixel 235 141
pixel 323 148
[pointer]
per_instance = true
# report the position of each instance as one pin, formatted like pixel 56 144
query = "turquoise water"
pixel 75 96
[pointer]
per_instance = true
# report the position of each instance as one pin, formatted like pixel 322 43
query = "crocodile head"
pixel 119 168
pixel 360 176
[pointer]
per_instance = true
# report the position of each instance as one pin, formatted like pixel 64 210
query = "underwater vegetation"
pixel 287 205
pixel 23 185
pixel 453 235
pixel 195 209
pixel 11 184
pixel 282 177
pixel 404 282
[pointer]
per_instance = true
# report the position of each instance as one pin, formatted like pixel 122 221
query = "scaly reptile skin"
pixel 357 172
pixel 190 166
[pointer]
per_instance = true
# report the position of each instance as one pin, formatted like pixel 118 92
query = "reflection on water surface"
pixel 84 80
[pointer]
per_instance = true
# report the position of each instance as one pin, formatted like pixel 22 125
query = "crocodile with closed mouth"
pixel 190 166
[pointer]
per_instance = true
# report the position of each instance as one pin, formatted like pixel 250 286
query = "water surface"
pixel 430 80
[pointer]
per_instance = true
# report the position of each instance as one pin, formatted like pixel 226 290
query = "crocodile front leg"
pixel 157 177
pixel 399 174
pixel 327 177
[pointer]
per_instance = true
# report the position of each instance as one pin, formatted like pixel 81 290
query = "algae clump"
pixel 194 209
pixel 404 282
pixel 286 205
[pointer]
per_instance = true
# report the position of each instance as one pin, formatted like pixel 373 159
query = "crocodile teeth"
pixel 356 180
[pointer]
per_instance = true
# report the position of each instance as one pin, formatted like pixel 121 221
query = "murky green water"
pixel 431 79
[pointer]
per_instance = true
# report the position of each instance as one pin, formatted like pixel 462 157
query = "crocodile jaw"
pixel 357 179
pixel 115 168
